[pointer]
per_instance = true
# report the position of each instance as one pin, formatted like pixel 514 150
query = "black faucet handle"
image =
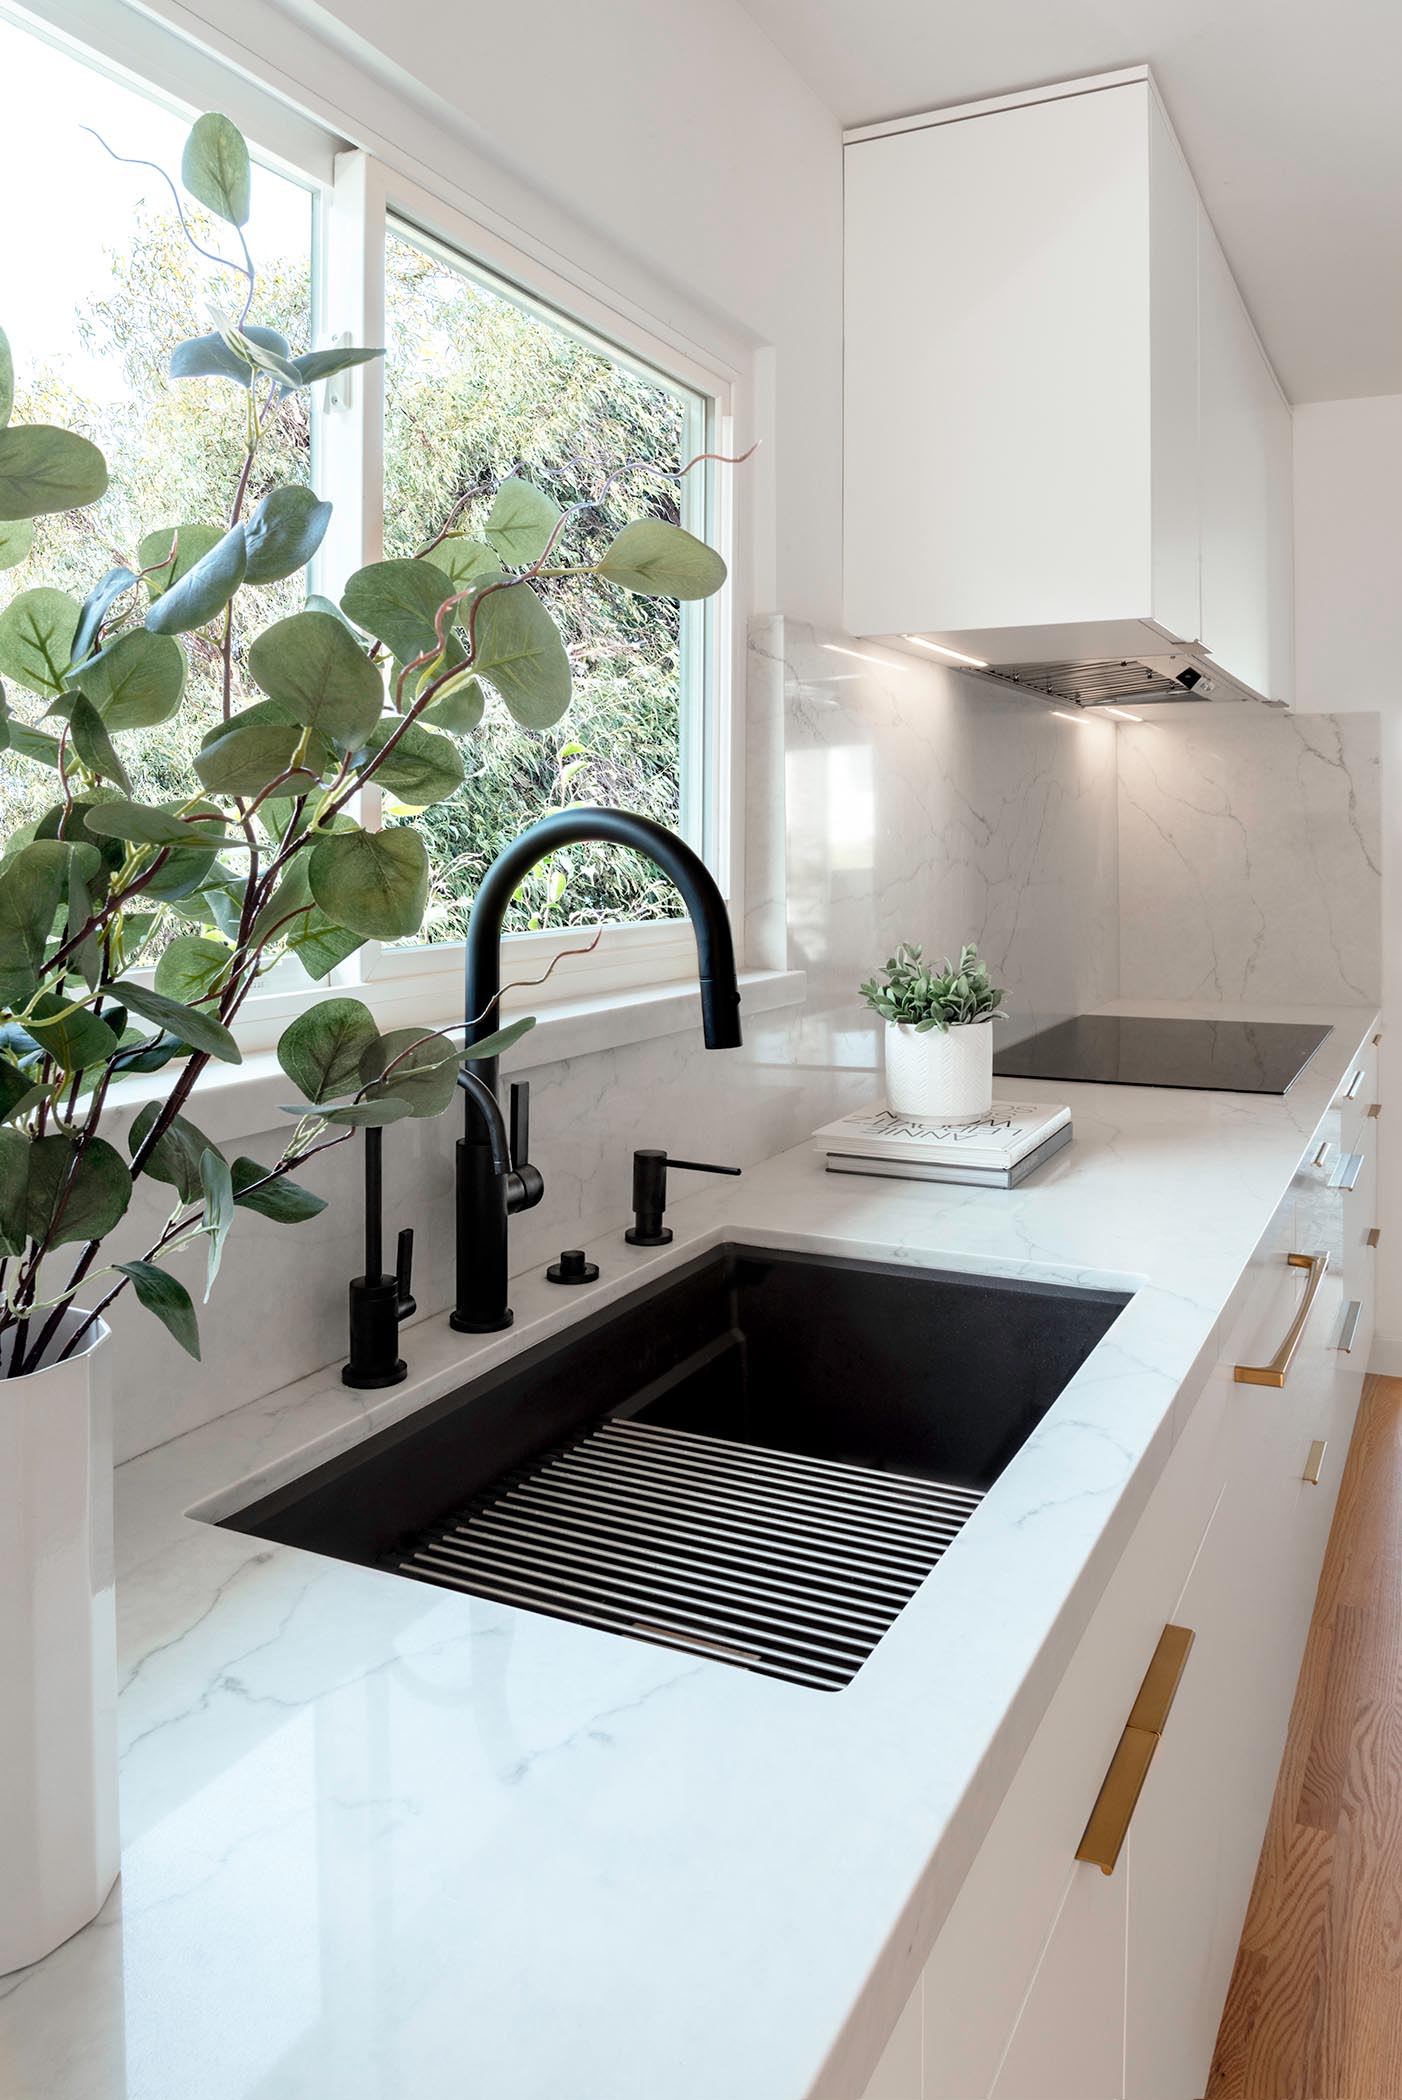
pixel 404 1274
pixel 520 1123
pixel 700 1166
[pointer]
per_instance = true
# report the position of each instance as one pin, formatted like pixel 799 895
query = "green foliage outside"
pixel 186 741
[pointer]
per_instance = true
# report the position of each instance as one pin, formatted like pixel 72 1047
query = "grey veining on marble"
pixel 1250 855
pixel 382 1841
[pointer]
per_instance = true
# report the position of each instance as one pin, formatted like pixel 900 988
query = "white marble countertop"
pixel 383 1842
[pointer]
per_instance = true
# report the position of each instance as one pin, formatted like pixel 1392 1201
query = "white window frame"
pixel 356 195
pixel 423 983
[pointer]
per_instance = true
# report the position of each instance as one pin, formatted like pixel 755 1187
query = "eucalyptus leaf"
pixel 521 520
pixel 284 533
pixel 36 638
pixel 466 561
pixel 372 882
pixel 191 543
pixel 313 365
pixel 421 769
pixel 322 1051
pixel 413 1066
pixel 33 885
pixel 14 1191
pixel 519 651
pixel 658 560
pixel 137 680
pixel 74 1039
pixel 18 1093
pixel 242 761
pixel 283 1200
pixel 209 356
pixel 312 665
pixel 320 945
pixel 142 1056
pixel 200 1030
pixel 32 743
pixel 458 708
pixel 204 590
pixel 92 743
pixel 73 1194
pixel 160 1293
pixel 369 1115
pixel 175 1157
pixel 16 539
pixel 143 825
pixel 218 1186
pixel 214 168
pixel 499 1041
pixel 43 469
pixel 398 602
pixel 95 607
pixel 190 966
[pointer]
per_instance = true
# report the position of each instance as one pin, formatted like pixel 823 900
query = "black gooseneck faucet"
pixel 491 1185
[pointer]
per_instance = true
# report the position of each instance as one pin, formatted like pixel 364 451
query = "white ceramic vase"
pixel 58 1648
pixel 942 1076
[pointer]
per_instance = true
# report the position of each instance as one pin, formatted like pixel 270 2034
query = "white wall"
pixel 1348 651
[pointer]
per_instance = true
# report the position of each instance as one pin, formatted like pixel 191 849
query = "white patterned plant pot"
pixel 58 1649
pixel 945 1076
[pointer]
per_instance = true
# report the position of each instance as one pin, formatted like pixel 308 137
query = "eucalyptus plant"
pixel 264 857
pixel 942 995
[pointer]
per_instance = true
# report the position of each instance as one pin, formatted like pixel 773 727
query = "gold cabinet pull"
pixel 1129 1767
pixel 1375 1109
pixel 1314 1464
pixel 1376 1040
pixel 1278 1369
pixel 1374 1235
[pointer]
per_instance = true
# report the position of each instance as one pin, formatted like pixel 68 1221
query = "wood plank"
pixel 1314 2011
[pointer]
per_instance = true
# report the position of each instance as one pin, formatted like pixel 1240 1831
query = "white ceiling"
pixel 1288 111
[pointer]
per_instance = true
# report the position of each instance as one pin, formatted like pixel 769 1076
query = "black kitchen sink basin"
pixel 759 1457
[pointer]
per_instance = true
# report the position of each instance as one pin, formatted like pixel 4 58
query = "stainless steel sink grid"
pixel 790 1565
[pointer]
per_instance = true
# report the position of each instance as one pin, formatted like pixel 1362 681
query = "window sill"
pixel 240 1101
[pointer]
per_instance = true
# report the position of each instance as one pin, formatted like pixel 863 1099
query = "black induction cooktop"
pixel 1230 1057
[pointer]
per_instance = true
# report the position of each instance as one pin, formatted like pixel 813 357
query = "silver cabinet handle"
pixel 1354 1084
pixel 1322 1154
pixel 1278 1369
pixel 1350 1327
pixel 1347 1171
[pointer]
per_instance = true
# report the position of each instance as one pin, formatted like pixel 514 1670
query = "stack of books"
pixel 998 1151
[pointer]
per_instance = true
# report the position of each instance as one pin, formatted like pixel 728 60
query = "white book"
pixel 998 1140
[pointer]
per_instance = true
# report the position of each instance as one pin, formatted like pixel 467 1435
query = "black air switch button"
pixel 572 1267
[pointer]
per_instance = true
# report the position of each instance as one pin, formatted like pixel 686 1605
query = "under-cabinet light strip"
pixel 956 656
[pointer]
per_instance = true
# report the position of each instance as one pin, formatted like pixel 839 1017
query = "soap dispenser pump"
pixel 378 1302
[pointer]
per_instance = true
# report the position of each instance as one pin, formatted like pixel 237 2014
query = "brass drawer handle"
pixel 1354 1084
pixel 1129 1767
pixel 1375 1109
pixel 1374 1235
pixel 1314 1464
pixel 1376 1040
pixel 1278 1369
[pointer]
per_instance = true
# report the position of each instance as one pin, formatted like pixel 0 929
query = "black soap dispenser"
pixel 377 1302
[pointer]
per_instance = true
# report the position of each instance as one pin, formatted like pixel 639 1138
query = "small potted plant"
pixel 939 1050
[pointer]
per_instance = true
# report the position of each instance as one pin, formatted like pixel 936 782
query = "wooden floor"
pixel 1315 2006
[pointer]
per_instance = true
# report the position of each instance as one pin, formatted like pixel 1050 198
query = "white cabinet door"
pixel 1280 546
pixel 1069 2040
pixel 1238 493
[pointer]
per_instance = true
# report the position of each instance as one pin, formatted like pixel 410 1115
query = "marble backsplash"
pixel 1250 856
pixel 886 799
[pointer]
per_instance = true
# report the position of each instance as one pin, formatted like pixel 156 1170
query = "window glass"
pixel 481 382
pixel 99 285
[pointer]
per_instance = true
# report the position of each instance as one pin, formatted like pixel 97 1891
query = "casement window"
pixel 496 361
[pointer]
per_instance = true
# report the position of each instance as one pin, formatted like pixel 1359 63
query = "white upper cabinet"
pixel 1063 439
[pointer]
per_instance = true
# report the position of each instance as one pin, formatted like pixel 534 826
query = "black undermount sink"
pixel 759 1457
